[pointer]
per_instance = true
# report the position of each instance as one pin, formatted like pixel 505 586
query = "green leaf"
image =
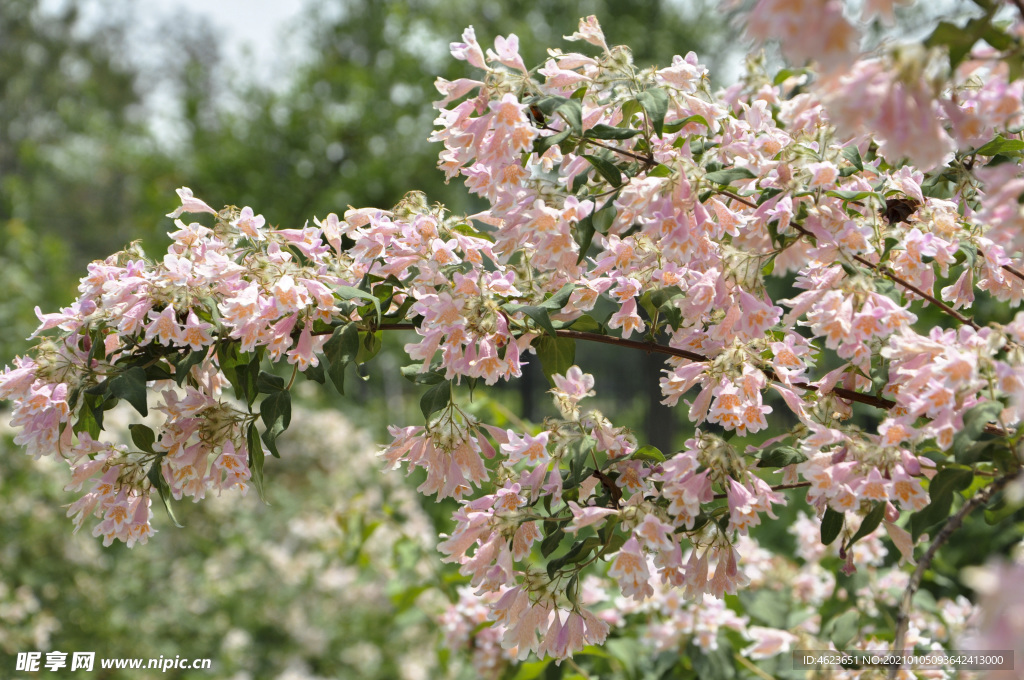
pixel 1000 145
pixel 186 362
pixel 256 457
pixel 602 131
pixel 90 416
pixel 655 103
pixel 769 607
pixel 677 125
pixel 342 348
pixel 131 386
pixel 276 412
pixel 268 383
pixel 436 398
pixel 605 217
pixel 852 154
pixel 975 421
pixel 540 315
pixel 143 437
pixel 870 522
pixel 156 478
pixel 348 293
pixel 414 373
pixel 780 456
pixel 949 480
pixel 558 300
pixel 556 355
pixel 315 373
pixel 550 544
pixel 842 629
pixel 369 345
pixel 607 169
pixel 542 143
pixel 572 112
pixel 725 177
pixel 831 525
pixel 847 195
pixel 584 236
pixel 649 453
pixel 531 669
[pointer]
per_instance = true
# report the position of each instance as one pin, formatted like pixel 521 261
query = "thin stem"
pixel 850 395
pixel 903 620
pixel 780 487
pixel 736 197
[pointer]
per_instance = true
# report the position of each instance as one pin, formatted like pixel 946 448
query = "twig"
pixel 903 619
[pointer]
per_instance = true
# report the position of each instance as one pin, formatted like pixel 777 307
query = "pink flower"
pixel 629 568
pixel 585 516
pixel 589 31
pixel 250 224
pixel 528 447
pixel 190 204
pixel 164 327
pixel 469 50
pixel 303 354
pixel 627 319
pixel 195 334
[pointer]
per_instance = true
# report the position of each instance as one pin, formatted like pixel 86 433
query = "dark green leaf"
pixel 556 355
pixel 558 300
pixel 436 398
pixel 584 236
pixel 131 386
pixel 852 154
pixel 602 131
pixel 342 348
pixel 655 103
pixel 677 125
pixel 550 544
pixel 156 478
pixel 276 412
pixel 725 177
pixel 315 373
pixel 256 456
pixel 143 437
pixel 605 217
pixel 540 315
pixel 348 293
pixel 414 373
pixel 780 456
pixel 268 383
pixel 542 143
pixel 1000 145
pixel 831 525
pixel 949 480
pixel 607 169
pixel 649 453
pixel 870 523
pixel 935 512
pixel 369 345
pixel 185 363
pixel 572 112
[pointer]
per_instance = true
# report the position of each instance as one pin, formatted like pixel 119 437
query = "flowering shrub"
pixel 805 250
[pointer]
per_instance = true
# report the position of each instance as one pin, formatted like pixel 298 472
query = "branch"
pixel 903 620
pixel 850 395
pixel 885 272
